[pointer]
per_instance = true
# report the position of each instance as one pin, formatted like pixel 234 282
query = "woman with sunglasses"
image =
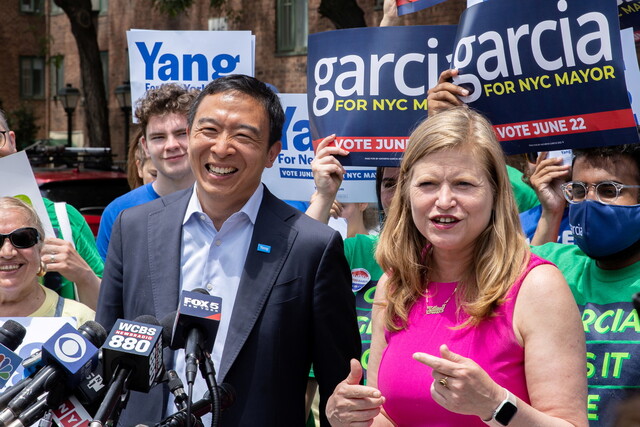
pixel 21 295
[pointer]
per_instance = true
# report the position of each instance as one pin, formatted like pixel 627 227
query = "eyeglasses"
pixel 606 191
pixel 3 137
pixel 21 238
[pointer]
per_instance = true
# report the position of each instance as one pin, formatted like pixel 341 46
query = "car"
pixel 89 191
pixel 83 177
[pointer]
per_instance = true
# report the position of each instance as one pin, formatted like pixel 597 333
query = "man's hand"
pixel 352 404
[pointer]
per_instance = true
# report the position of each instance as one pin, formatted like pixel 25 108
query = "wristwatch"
pixel 504 412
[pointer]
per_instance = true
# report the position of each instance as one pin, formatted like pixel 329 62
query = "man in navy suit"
pixel 283 278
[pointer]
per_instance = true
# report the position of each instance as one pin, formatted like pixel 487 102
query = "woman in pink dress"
pixel 469 328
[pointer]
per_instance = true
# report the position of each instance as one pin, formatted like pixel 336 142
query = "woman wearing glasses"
pixel 21 295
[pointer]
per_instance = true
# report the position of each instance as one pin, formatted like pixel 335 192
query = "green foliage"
pixel 23 122
pixel 175 7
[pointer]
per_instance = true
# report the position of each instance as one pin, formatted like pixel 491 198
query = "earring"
pixel 43 269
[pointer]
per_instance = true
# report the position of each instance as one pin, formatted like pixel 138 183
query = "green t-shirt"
pixel 365 273
pixel 525 197
pixel 84 241
pixel 610 324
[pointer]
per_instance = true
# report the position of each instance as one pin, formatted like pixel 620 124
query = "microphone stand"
pixel 209 374
pixel 115 399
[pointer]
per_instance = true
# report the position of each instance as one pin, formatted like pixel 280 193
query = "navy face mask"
pixel 600 230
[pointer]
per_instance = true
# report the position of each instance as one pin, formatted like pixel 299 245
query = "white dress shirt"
pixel 214 260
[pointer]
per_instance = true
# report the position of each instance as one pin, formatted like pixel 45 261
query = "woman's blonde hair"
pixel 501 250
pixel 33 220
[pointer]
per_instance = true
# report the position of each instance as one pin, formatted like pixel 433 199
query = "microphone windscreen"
pixel 11 334
pixel 167 323
pixel 94 332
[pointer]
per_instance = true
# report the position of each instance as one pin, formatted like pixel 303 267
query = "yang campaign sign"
pixel 410 6
pixel 369 87
pixel 291 178
pixel 559 63
pixel 190 58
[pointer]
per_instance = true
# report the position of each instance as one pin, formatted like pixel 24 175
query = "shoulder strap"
pixel 63 221
pixel 59 307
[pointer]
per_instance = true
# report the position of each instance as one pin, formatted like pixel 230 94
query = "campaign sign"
pixel 140 345
pixel 291 178
pixel 629 13
pixel 550 77
pixel 72 352
pixel 409 6
pixel 369 87
pixel 631 71
pixel 190 58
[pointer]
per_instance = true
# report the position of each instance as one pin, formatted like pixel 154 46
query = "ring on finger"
pixel 443 382
pixel 52 259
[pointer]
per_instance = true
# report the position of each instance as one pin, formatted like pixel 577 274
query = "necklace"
pixel 437 309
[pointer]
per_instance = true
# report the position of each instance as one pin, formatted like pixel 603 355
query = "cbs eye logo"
pixel 70 348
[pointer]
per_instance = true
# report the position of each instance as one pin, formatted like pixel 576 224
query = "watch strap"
pixel 505 411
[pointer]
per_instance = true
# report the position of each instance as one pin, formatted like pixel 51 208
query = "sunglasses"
pixel 21 238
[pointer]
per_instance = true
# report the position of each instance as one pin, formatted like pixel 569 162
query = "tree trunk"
pixel 342 13
pixel 95 105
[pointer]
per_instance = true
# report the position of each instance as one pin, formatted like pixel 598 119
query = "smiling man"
pixel 162 114
pixel 284 281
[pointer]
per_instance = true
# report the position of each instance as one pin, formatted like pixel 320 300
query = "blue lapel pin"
pixel 264 248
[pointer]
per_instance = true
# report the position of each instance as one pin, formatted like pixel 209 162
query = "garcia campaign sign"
pixel 369 87
pixel 191 58
pixel 629 12
pixel 410 6
pixel 560 64
pixel 290 177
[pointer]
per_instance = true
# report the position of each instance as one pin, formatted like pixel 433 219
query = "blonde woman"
pixel 21 295
pixel 469 328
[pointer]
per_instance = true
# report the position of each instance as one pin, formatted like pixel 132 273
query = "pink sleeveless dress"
pixel 406 383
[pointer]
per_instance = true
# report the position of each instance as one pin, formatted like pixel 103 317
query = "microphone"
pixel 11 335
pixel 68 355
pixel 201 407
pixel 137 347
pixel 132 358
pixel 195 327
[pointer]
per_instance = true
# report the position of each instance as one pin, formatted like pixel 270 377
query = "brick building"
pixel 40 55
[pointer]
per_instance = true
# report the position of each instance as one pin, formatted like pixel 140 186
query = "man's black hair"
pixel 601 155
pixel 253 88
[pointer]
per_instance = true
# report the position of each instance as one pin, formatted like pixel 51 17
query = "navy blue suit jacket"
pixel 294 307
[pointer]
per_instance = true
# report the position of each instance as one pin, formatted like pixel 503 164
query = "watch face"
pixel 506 412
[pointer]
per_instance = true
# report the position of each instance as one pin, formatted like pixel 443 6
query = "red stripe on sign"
pixel 368 144
pixel 606 120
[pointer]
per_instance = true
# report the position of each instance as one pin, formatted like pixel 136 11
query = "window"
pixel 104 60
pixel 292 26
pixel 30 6
pixel 100 6
pixel 57 74
pixel 31 77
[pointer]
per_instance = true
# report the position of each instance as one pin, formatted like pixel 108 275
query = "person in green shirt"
pixel 603 269
pixel 78 263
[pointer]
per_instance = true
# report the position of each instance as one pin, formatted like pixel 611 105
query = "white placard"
pixel 17 179
pixel 291 178
pixel 191 58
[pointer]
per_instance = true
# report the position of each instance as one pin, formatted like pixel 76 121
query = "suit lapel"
pixel 260 272
pixel 164 243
